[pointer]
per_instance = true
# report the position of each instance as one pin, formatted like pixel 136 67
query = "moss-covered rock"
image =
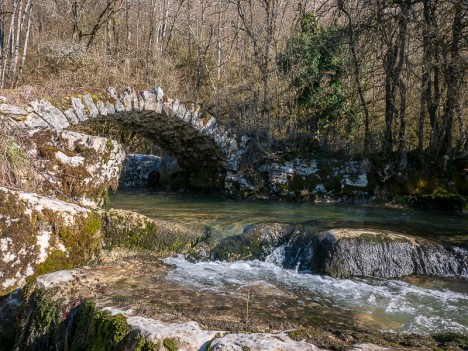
pixel 257 242
pixel 130 230
pixel 49 322
pixel 80 168
pixel 40 234
pixel 440 199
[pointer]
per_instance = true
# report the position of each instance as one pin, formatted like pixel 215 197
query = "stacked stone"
pixel 43 115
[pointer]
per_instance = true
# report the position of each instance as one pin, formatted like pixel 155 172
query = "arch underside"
pixel 196 153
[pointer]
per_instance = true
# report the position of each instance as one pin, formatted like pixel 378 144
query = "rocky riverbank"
pixel 103 306
pixel 301 180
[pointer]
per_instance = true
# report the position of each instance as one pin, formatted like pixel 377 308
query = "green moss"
pixel 41 316
pixel 100 331
pixel 134 236
pixel 48 314
pixel 170 344
pixel 83 239
pixel 440 199
pixel 146 345
pixel 56 261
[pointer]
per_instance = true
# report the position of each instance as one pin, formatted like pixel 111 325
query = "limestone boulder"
pixel 39 234
pixel 77 167
pixel 130 230
pixel 260 342
pixel 347 252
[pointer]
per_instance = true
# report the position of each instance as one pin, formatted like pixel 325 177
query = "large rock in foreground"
pixel 345 253
pixel 40 234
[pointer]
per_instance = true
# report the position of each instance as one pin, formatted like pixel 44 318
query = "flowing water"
pixel 422 305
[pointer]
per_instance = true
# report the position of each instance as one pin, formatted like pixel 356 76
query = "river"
pixel 423 305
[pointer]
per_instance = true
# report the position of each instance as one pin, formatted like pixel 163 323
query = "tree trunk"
pixel 395 62
pixel 427 65
pixel 357 78
pixel 26 43
pixel 453 78
pixel 11 39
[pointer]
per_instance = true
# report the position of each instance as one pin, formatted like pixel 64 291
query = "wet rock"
pixel 140 171
pixel 341 253
pixel 257 242
pixel 237 186
pixel 131 230
pixel 105 307
pixel 10 306
pixel 345 253
pixel 77 323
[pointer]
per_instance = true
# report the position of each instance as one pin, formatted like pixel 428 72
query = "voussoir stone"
pixel 50 114
pixel 93 111
pixel 79 109
pixel 71 115
pixel 33 121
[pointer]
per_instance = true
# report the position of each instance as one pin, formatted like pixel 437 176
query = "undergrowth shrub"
pixel 16 166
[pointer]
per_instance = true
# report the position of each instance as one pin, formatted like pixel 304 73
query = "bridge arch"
pixel 196 139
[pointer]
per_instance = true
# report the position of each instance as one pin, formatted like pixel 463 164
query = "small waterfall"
pixel 278 256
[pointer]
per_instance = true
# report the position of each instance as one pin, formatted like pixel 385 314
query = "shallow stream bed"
pixel 219 291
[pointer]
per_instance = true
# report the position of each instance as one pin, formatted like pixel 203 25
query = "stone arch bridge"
pixel 197 140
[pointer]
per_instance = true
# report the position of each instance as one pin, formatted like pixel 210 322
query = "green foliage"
pixel 311 58
pixel 16 156
pixel 16 169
